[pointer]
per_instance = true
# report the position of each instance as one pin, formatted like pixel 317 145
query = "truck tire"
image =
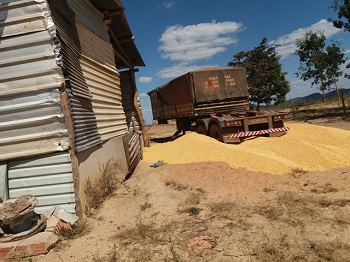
pixel 215 132
pixel 200 129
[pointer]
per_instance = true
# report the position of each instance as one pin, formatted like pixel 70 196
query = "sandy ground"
pixel 211 212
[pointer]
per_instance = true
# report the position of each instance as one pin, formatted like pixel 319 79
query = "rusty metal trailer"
pixel 214 102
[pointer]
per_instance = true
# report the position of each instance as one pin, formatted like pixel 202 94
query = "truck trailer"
pixel 214 102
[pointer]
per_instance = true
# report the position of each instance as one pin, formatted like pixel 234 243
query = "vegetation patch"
pixel 112 256
pixel 326 188
pixel 192 211
pixel 104 186
pixel 79 229
pixel 270 212
pixel 176 186
pixel 223 209
pixel 296 171
pixel 145 206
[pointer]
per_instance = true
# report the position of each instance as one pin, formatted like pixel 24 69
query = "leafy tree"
pixel 335 58
pixel 267 83
pixel 318 62
pixel 342 7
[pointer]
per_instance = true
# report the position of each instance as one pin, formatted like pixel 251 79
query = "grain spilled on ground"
pixel 305 146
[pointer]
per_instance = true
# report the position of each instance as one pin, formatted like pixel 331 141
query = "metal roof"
pixel 113 11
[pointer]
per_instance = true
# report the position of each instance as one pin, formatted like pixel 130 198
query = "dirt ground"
pixel 212 212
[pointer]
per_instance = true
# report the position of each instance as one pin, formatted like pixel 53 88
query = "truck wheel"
pixel 200 129
pixel 215 132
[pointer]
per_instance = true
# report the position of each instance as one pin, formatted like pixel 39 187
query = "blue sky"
pixel 177 36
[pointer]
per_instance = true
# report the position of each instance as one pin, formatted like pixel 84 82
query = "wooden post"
pixel 4 190
pixel 292 105
pixel 342 101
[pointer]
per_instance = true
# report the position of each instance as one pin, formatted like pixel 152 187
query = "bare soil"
pixel 211 212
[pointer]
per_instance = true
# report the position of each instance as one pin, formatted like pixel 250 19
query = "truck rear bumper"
pixel 234 138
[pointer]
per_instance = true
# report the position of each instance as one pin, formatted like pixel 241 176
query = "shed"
pixel 65 110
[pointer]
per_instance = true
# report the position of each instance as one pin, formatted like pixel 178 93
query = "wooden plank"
pixel 3 181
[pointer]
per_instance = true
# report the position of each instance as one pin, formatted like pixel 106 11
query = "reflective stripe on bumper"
pixel 257 133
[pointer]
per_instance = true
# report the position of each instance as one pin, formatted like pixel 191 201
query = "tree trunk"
pixel 338 94
pixel 343 102
pixel 293 109
pixel 323 89
pixel 324 95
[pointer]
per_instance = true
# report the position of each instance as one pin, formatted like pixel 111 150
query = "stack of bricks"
pixel 35 245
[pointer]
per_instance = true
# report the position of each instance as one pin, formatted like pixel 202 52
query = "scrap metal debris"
pixel 18 219
pixel 22 230
pixel 59 220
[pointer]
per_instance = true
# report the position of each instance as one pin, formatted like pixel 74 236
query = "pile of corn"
pixel 305 146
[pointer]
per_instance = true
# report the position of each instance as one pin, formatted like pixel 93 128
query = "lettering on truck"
pixel 229 81
pixel 213 82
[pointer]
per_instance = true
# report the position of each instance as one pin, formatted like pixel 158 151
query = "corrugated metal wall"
pixel 98 66
pixel 128 98
pixel 86 134
pixel 90 17
pixel 49 178
pixel 133 149
pixel 31 118
pixel 107 102
pixel 22 17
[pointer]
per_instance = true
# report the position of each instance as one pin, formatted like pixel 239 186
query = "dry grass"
pixel 79 229
pixel 193 199
pixel 104 186
pixel 270 212
pixel 112 256
pixel 190 205
pixel 297 171
pixel 145 206
pixel 326 188
pixel 143 229
pixel 223 209
pixel 230 223
pixel 176 186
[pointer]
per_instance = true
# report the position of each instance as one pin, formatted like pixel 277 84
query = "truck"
pixel 214 102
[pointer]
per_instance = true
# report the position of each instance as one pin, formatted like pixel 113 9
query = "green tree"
pixel 319 63
pixel 342 7
pixel 267 83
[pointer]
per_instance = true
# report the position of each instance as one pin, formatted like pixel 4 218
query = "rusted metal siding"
pixel 128 99
pixel 104 85
pixel 31 118
pixel 86 134
pixel 114 11
pixel 49 178
pixel 95 47
pixel 98 67
pixel 90 17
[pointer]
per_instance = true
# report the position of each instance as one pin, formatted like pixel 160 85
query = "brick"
pixel 38 244
pixel 39 248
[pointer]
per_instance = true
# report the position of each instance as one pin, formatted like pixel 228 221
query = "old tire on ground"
pixel 215 132
pixel 200 129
